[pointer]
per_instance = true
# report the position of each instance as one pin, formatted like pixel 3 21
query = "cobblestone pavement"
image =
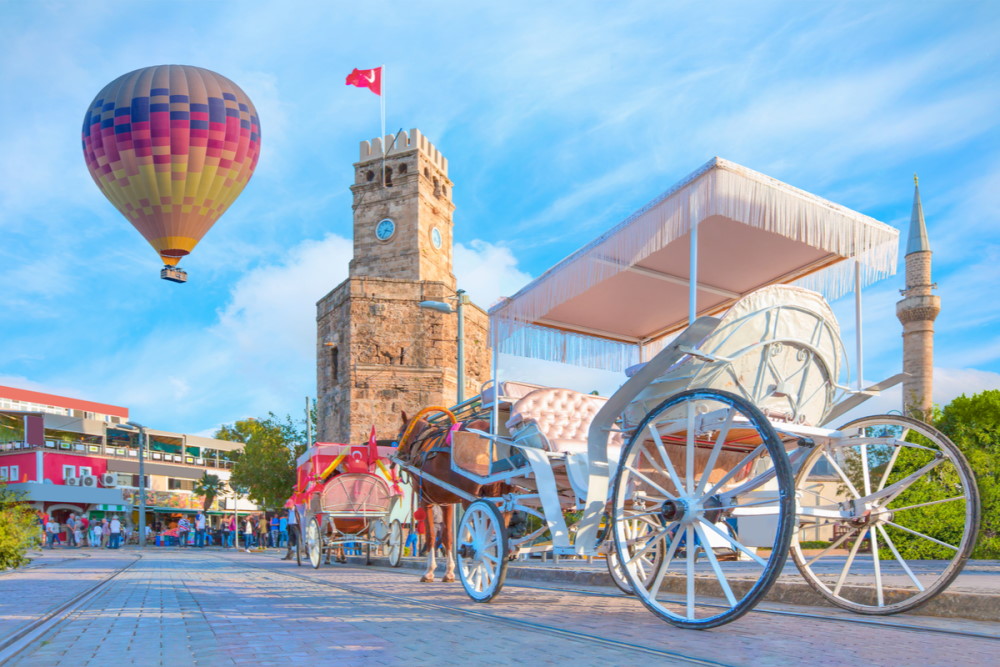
pixel 52 579
pixel 215 608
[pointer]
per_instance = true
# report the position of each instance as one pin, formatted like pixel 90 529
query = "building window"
pixel 131 480
pixel 334 363
pixel 3 474
pixel 85 470
pixel 15 474
pixel 174 484
pixel 68 471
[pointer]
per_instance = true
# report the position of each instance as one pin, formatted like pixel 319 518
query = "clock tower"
pixel 378 352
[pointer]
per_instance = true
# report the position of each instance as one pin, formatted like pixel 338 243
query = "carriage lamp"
pixel 460 299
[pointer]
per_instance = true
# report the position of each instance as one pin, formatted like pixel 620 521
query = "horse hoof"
pixel 427 580
pixel 448 578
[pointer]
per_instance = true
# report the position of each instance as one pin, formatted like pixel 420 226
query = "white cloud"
pixel 487 271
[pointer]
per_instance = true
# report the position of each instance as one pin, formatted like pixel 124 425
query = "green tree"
pixel 19 530
pixel 208 487
pixel 973 423
pixel 266 466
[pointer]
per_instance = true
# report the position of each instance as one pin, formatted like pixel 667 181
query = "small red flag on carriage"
pixel 366 78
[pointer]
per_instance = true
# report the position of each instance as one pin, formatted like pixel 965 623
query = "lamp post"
pixel 461 299
pixel 142 482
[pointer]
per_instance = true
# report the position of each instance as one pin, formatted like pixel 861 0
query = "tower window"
pixel 427 172
pixel 370 176
pixel 437 188
pixel 388 177
pixel 402 169
pixel 334 362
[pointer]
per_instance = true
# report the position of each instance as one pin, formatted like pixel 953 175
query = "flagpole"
pixel 385 148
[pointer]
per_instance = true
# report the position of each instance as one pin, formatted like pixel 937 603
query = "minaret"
pixel 917 311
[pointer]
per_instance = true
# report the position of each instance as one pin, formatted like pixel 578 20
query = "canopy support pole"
pixel 857 321
pixel 693 275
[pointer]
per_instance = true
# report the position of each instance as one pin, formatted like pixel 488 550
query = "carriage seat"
pixel 558 420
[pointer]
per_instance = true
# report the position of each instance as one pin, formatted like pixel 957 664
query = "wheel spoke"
pixel 714 562
pixel 873 536
pixel 840 472
pixel 900 560
pixel 667 463
pixel 739 466
pixel 891 463
pixel 866 474
pixel 649 544
pixel 843 538
pixel 901 485
pixel 886 510
pixel 918 534
pixel 735 543
pixel 850 561
pixel 689 449
pixel 689 553
pixel 649 481
pixel 716 449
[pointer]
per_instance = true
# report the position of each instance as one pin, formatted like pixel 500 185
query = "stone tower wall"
pixel 377 351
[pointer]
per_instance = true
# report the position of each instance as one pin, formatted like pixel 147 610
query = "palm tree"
pixel 209 486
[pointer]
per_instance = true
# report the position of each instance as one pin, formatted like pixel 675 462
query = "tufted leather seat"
pixel 563 418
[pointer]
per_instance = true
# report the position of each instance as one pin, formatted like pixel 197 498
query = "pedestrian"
pixel 84 530
pixel 283 530
pixel 420 517
pixel 199 530
pixel 71 530
pixel 275 529
pixel 106 533
pixel 149 531
pixel 98 531
pixel 411 539
pixel 262 529
pixel 291 532
pixel 77 532
pixel 116 532
pixel 52 532
pixel 183 528
pixel 248 532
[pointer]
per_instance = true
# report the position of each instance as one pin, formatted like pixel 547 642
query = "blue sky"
pixel 558 120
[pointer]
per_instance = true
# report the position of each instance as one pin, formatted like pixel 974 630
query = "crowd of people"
pixel 79 531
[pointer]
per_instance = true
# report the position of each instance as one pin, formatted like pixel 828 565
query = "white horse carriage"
pixel 726 442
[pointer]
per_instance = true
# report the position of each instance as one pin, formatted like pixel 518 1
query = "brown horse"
pixel 428 448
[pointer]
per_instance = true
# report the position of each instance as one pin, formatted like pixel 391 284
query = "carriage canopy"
pixel 617 300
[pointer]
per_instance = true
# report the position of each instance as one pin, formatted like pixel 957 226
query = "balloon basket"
pixel 173 274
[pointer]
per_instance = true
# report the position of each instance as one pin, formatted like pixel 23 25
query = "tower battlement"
pixel 373 149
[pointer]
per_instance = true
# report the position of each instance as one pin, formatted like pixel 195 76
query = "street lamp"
pixel 142 481
pixel 442 307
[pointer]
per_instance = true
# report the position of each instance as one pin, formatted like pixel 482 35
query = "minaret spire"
pixel 917 311
pixel 917 240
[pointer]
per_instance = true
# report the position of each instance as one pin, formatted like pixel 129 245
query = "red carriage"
pixel 347 496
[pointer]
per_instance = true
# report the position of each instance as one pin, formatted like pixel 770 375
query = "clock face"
pixel 436 238
pixel 385 229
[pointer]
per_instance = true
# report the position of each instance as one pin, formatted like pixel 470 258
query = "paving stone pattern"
pixel 211 608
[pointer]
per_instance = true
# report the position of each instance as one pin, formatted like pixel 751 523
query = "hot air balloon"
pixel 171 147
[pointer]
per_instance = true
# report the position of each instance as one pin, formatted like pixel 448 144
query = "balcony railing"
pixel 119 453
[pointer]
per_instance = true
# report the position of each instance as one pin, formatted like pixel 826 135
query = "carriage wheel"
pixel 314 542
pixel 395 544
pixel 899 507
pixel 707 475
pixel 647 563
pixel 482 551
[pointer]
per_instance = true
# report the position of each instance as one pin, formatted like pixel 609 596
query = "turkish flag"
pixel 372 448
pixel 366 78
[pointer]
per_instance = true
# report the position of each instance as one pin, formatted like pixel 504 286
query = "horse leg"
pixel 429 534
pixel 448 542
